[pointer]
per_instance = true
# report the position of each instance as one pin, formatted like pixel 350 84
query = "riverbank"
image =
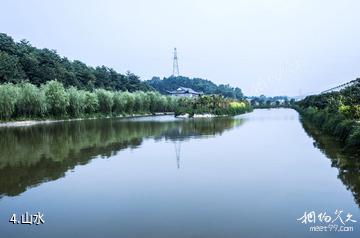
pixel 25 101
pixel 206 115
pixel 336 113
pixel 345 130
pixel 25 123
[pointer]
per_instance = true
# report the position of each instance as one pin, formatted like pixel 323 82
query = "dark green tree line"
pixel 21 61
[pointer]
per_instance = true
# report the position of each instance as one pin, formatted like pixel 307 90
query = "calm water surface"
pixel 249 176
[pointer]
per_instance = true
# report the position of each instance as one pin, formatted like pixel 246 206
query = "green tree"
pixel 119 103
pixel 76 102
pixel 56 97
pixel 201 85
pixel 129 102
pixel 10 69
pixel 7 44
pixel 8 98
pixel 105 99
pixel 31 102
pixel 91 102
pixel 138 102
pixel 20 61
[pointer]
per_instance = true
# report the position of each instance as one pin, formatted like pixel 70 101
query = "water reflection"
pixel 34 155
pixel 347 162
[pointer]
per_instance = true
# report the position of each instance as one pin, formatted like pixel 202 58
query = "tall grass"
pixel 53 100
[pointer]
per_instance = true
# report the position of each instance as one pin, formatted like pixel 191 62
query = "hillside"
pixel 21 61
pixel 198 84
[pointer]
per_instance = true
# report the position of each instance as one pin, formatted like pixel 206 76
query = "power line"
pixel 352 82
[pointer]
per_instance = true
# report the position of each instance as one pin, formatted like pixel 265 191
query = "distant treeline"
pixel 53 100
pixel 197 84
pixel 211 104
pixel 263 101
pixel 21 61
pixel 336 113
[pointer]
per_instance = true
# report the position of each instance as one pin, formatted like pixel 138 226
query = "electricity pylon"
pixel 175 64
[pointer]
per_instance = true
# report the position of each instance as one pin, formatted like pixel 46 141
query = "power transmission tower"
pixel 175 64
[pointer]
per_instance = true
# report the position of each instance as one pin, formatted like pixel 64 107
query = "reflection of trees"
pixel 347 162
pixel 33 155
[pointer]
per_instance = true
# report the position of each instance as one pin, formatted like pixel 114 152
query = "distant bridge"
pixel 333 89
pixel 342 86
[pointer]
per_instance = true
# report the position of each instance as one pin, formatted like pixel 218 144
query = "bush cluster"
pixel 336 113
pixel 25 100
pixel 212 104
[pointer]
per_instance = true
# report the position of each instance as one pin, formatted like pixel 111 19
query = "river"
pixel 253 175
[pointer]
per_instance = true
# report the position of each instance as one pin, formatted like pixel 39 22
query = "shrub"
pixel 145 102
pixel 354 138
pixel 91 102
pixel 343 129
pixel 56 98
pixel 119 103
pixel 8 98
pixel 171 104
pixel 161 103
pixel 355 111
pixel 345 110
pixel 31 102
pixel 105 99
pixel 76 102
pixel 211 104
pixel 331 123
pixel 129 102
pixel 152 101
pixel 138 102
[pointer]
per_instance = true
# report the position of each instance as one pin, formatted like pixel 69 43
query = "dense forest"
pixel 21 61
pixel 197 84
pixel 336 113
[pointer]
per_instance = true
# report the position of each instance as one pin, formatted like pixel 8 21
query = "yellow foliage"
pixel 345 110
pixel 237 105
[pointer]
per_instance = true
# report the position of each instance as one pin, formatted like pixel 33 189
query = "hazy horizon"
pixel 263 47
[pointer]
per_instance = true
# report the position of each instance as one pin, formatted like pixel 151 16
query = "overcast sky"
pixel 272 47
